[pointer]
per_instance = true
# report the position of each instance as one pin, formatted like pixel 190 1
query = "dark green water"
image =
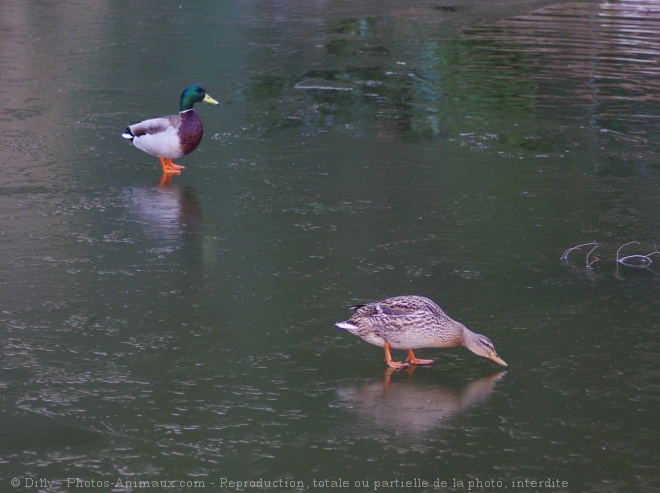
pixel 185 332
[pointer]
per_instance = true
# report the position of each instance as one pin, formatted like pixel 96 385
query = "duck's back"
pixel 401 305
pixel 406 322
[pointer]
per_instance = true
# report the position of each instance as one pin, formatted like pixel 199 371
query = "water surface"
pixel 183 330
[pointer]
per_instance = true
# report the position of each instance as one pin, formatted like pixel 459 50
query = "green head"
pixel 194 94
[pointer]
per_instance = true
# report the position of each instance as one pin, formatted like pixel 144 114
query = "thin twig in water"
pixel 629 137
pixel 578 247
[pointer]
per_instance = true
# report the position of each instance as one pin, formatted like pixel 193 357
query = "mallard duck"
pixel 413 322
pixel 172 136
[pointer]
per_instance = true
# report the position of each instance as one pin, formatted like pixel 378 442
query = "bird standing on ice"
pixel 172 136
pixel 413 322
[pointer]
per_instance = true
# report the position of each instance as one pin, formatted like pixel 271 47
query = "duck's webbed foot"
pixel 169 167
pixel 415 361
pixel 397 365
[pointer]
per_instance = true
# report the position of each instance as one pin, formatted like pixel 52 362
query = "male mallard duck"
pixel 413 322
pixel 172 136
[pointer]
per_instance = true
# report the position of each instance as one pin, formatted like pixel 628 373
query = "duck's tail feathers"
pixel 128 134
pixel 346 326
pixel 355 307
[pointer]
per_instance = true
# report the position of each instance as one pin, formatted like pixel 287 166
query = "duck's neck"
pixel 452 334
pixel 470 339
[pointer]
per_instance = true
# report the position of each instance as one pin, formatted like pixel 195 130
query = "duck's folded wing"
pixel 384 308
pixel 151 126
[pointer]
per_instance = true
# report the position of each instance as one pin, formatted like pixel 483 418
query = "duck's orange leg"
pixel 398 365
pixel 414 361
pixel 165 179
pixel 169 167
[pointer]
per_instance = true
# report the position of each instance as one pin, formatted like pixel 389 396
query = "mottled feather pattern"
pixel 406 322
pixel 411 330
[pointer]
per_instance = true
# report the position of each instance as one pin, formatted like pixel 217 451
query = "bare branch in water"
pixel 588 264
pixel 638 261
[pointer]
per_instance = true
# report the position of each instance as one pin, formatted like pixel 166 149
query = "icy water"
pixel 179 335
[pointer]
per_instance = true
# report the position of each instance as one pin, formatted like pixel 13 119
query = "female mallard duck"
pixel 172 136
pixel 413 322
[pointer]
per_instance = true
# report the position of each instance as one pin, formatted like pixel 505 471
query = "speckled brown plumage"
pixel 413 322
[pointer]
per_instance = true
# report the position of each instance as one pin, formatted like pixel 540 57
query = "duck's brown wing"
pixel 378 308
pixel 393 317
pixel 398 305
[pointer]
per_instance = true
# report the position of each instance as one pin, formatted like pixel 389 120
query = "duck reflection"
pixel 167 212
pixel 414 407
